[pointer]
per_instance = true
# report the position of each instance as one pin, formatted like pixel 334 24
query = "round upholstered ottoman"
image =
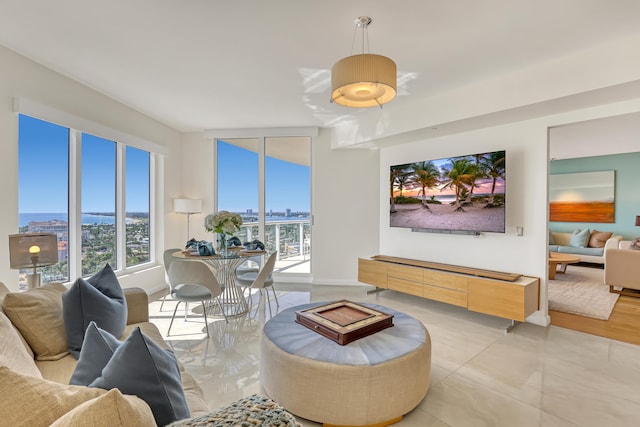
pixel 374 380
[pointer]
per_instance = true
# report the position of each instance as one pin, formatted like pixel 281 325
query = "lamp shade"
pixel 187 206
pixel 364 80
pixel 31 250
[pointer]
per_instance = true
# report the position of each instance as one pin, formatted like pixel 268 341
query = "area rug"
pixel 581 291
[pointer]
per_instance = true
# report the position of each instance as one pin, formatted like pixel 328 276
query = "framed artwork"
pixel 582 197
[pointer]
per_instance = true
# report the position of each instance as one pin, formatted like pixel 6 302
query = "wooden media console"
pixel 511 296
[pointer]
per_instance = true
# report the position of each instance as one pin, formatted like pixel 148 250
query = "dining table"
pixel 224 265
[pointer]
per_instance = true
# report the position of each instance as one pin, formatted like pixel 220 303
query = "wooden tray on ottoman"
pixel 344 321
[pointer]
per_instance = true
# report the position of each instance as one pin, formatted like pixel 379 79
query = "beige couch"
pixel 622 271
pixel 35 370
pixel 587 254
pixel 17 355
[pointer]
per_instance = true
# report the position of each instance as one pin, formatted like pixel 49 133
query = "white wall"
pixel 527 171
pixel 20 77
pixel 345 208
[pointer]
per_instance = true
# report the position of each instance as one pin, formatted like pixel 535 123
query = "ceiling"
pixel 213 64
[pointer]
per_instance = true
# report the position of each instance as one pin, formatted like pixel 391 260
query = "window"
pixel 100 216
pixel 238 184
pixel 98 203
pixel 137 203
pixel 43 191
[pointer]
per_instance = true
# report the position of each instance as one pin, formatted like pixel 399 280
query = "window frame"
pixel 77 126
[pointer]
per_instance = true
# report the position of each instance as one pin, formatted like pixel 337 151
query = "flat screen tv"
pixel 464 194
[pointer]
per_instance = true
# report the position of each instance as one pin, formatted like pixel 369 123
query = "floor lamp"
pixel 189 207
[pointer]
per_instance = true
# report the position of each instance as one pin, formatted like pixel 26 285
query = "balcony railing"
pixel 290 237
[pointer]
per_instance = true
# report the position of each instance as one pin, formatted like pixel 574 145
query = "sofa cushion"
pixel 100 299
pixel 553 248
pixel 140 366
pixel 599 238
pixel 58 370
pixel 35 402
pixel 112 409
pixel 97 349
pixel 581 251
pixel 37 313
pixel 14 354
pixel 580 238
pixel 3 292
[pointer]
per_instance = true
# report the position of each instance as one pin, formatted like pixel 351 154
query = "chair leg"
pixel 173 317
pixel 186 310
pixel 274 295
pixel 267 300
pixel 206 323
pixel 164 297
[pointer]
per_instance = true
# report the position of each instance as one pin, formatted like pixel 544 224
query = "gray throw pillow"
pixel 100 299
pixel 141 367
pixel 97 349
pixel 580 238
pixel 552 241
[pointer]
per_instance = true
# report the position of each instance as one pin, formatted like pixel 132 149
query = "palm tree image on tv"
pixel 458 193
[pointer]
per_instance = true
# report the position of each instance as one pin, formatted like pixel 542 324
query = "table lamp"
pixel 33 250
pixel 188 207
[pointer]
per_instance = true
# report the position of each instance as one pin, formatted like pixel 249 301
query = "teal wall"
pixel 627 191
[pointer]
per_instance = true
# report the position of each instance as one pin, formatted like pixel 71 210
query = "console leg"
pixel 513 324
pixel 376 290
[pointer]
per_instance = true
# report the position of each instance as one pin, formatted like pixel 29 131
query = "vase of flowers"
pixel 224 223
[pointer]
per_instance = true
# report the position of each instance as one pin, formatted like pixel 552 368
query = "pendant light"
pixel 363 80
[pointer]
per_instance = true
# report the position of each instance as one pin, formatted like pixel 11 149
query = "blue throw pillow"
pixel 100 299
pixel 141 367
pixel 580 238
pixel 97 349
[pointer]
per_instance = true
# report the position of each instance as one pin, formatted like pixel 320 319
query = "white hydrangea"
pixel 223 222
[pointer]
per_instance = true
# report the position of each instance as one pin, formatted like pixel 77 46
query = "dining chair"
pixel 193 281
pixel 167 259
pixel 260 280
pixel 251 265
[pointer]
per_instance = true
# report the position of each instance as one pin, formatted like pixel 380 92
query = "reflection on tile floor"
pixel 480 376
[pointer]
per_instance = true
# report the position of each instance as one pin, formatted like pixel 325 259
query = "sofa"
pixel 622 269
pixel 590 246
pixel 35 377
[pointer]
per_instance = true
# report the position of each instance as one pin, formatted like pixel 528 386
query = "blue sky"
pixel 287 184
pixel 43 170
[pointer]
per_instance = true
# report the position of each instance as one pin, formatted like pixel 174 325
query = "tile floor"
pixel 480 376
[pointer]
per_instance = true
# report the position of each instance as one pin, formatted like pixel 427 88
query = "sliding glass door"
pixel 267 181
pixel 287 201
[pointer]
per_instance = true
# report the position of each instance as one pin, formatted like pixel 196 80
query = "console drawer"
pixel 413 274
pixel 450 296
pixel 445 280
pixel 406 286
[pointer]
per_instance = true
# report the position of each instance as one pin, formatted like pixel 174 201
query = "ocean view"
pixel 88 219
pixel 25 218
